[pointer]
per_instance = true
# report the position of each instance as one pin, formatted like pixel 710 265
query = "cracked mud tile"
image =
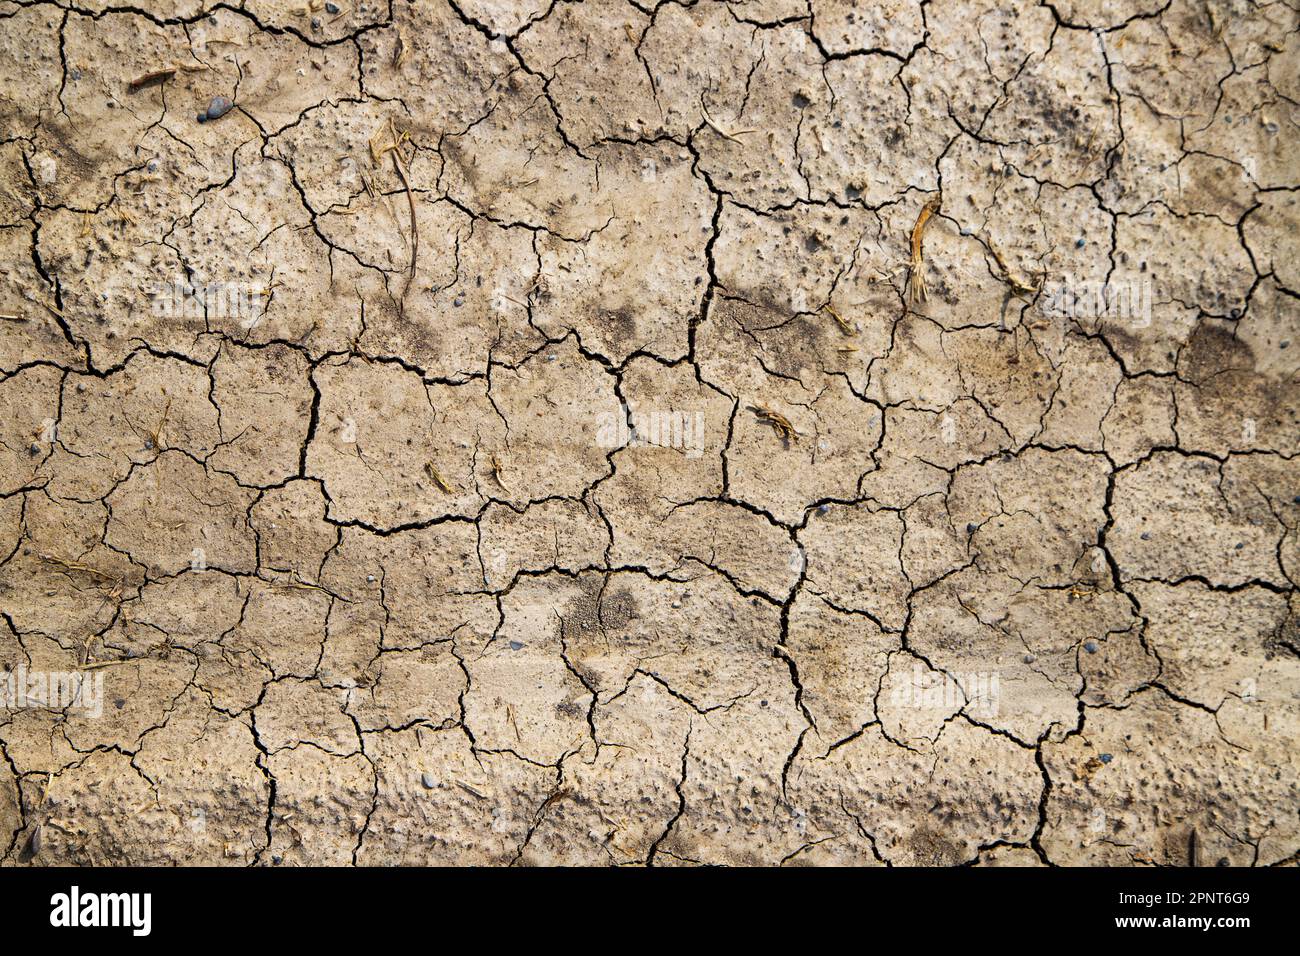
pixel 305 829
pixel 558 534
pixel 410 589
pixel 175 514
pixel 109 427
pixel 841 659
pixel 392 451
pixel 637 282
pixel 523 696
pixel 937 808
pixel 698 635
pixel 973 626
pixel 1119 797
pixel 1035 516
pixel 620 794
pixel 558 48
pixel 439 800
pixel 1234 381
pixel 550 408
pixel 870 577
pixel 1179 516
pixel 265 400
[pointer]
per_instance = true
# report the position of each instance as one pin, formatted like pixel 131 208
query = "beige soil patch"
pixel 759 432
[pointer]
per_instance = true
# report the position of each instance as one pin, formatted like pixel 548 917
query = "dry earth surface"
pixel 621 431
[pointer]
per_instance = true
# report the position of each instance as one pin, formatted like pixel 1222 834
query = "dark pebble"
pixel 1090 647
pixel 1105 758
pixel 515 645
pixel 331 8
pixel 219 107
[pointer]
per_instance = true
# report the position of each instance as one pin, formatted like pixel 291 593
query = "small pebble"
pixel 1080 243
pixel 823 509
pixel 428 781
pixel 1105 758
pixel 219 107
pixel 458 301
pixel 515 645
pixel 315 23
pixel 331 8
pixel 1090 647
pixel 1146 535
pixel 1239 545
pixel 1029 658
pixel 370 578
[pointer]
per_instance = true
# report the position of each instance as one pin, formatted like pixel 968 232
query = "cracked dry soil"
pixel 895 555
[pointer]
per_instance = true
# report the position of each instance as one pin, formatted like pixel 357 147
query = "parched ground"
pixel 554 432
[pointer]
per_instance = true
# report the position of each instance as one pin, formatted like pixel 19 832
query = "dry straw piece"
pixel 916 274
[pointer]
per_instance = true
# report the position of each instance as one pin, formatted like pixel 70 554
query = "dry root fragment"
pixel 152 78
pixel 839 320
pixel 496 475
pixel 438 479
pixel 301 585
pixel 725 134
pixel 76 566
pixel 916 273
pixel 1018 286
pixel 163 74
pixel 154 439
pixel 399 51
pixel 778 421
